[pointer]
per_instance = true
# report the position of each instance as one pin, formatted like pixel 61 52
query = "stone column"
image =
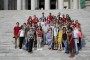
pixel 56 4
pixel 32 4
pixel 75 4
pixel 23 4
pixel 18 4
pixel 60 4
pixel 47 4
pixel 5 4
pixel 71 4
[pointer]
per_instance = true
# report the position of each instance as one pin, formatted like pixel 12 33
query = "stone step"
pixel 8 20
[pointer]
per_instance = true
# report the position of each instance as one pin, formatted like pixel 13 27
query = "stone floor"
pixel 8 52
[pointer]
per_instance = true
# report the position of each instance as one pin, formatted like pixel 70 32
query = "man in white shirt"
pixel 41 22
pixel 45 28
pixel 75 36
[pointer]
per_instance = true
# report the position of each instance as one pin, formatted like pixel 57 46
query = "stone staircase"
pixel 8 20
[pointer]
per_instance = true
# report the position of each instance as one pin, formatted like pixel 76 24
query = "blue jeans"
pixel 76 46
pixel 50 43
pixel 45 38
pixel 66 46
pixel 80 43
pixel 26 43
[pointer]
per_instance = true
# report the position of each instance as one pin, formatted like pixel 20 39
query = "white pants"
pixel 39 39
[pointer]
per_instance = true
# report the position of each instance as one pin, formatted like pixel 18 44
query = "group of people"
pixel 58 32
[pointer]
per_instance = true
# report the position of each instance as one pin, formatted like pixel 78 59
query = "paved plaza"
pixel 8 20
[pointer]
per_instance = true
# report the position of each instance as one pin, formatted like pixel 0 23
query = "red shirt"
pixel 78 24
pixel 29 20
pixel 34 20
pixel 39 33
pixel 73 24
pixel 64 19
pixel 50 17
pixel 48 21
pixel 16 31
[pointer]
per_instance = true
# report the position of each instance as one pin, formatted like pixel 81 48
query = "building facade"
pixel 39 4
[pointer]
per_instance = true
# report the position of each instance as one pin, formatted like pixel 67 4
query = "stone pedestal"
pixel 75 4
pixel 32 4
pixel 60 4
pixel 23 4
pixel 18 4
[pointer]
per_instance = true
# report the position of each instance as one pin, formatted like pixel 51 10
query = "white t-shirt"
pixel 22 33
pixel 52 27
pixel 42 23
pixel 55 30
pixel 61 16
pixel 45 27
pixel 75 33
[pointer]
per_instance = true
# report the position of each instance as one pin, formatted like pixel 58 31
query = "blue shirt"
pixel 55 30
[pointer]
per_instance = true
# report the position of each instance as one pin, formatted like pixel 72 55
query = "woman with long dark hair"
pixel 21 36
pixel 71 41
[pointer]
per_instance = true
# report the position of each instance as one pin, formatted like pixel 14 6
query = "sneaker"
pixel 33 48
pixel 21 49
pixel 30 52
pixel 76 53
pixel 67 52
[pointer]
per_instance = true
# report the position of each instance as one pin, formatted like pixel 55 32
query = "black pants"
pixel 63 45
pixel 53 45
pixel 21 42
pixel 30 45
pixel 79 44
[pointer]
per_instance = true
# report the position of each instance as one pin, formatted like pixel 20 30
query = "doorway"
pixel 41 4
pixel 52 4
